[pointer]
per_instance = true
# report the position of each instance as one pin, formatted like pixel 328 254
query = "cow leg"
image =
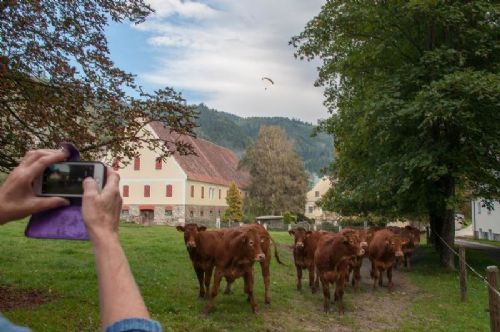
pixel 213 291
pixel 228 286
pixel 208 276
pixel 326 294
pixel 312 279
pixel 248 280
pixel 200 276
pixel 408 261
pixel 299 277
pixel 266 276
pixel 381 277
pixel 339 294
pixel 390 284
pixel 356 277
pixel 375 275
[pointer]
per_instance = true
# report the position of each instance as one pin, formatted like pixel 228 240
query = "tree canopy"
pixel 414 92
pixel 279 181
pixel 58 83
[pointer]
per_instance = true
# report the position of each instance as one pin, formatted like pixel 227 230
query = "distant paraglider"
pixel 268 82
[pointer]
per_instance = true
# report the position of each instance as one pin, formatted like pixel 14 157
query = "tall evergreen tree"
pixel 234 211
pixel 414 90
pixel 279 181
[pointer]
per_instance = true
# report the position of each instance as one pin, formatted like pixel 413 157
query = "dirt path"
pixel 366 310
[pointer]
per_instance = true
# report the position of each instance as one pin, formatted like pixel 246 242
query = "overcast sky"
pixel 217 52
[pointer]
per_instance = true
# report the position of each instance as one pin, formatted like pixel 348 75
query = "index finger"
pixel 31 156
pixel 42 163
pixel 112 181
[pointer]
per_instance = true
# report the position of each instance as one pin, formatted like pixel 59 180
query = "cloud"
pixel 222 49
pixel 192 9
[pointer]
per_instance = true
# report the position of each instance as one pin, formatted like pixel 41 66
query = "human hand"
pixel 17 196
pixel 101 211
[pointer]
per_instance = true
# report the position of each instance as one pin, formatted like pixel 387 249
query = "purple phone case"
pixel 61 223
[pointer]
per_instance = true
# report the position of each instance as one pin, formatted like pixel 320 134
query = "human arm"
pixel 119 295
pixel 17 196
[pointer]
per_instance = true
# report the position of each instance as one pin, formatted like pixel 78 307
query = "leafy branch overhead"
pixel 57 83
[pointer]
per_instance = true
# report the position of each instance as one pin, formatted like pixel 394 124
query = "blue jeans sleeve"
pixel 6 326
pixel 135 325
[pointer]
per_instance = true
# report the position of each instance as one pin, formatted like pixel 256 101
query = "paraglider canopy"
pixel 268 82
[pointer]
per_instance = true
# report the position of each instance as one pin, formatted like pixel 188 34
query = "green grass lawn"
pixel 165 276
pixel 493 243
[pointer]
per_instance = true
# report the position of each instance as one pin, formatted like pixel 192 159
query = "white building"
pixel 311 209
pixel 486 223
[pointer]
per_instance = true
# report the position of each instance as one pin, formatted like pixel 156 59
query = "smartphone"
pixel 65 179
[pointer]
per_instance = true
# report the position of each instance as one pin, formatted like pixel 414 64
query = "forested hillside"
pixel 237 133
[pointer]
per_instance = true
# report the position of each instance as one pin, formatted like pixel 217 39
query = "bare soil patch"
pixel 366 309
pixel 12 298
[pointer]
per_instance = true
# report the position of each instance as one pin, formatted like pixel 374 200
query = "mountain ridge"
pixel 237 133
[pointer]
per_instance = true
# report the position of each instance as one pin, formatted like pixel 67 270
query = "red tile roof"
pixel 213 163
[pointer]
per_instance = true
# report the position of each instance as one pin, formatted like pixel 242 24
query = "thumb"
pixel 47 203
pixel 89 187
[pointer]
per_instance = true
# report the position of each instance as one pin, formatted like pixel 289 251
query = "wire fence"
pixel 480 276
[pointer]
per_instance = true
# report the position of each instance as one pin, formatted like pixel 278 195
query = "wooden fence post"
pixel 427 235
pixel 463 274
pixel 492 273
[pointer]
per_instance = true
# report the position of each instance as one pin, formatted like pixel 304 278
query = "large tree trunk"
pixel 442 221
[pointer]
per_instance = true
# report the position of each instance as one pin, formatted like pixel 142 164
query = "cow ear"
pixel 180 228
pixel 291 232
pixel 202 228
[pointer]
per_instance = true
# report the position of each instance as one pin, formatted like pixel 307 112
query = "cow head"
pixel 395 244
pixel 190 233
pixel 416 234
pixel 351 239
pixel 249 243
pixel 300 235
pixel 356 238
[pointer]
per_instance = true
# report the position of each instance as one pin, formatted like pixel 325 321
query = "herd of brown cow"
pixel 330 258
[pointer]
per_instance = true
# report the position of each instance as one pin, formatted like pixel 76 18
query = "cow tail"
pixel 276 251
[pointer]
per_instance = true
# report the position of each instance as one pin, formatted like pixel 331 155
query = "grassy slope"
pixel 164 274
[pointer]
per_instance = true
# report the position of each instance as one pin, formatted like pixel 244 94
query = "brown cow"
pixel 235 255
pixel 383 250
pixel 332 258
pixel 305 243
pixel 201 245
pixel 355 266
pixel 412 238
pixel 265 243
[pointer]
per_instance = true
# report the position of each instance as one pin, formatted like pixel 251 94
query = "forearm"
pixel 119 295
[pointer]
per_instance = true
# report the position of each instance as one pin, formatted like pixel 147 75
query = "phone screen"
pixel 65 179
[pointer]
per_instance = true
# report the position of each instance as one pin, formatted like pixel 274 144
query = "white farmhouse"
pixel 486 223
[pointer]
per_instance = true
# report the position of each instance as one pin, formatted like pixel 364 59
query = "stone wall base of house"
pixel 172 215
pixel 203 213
